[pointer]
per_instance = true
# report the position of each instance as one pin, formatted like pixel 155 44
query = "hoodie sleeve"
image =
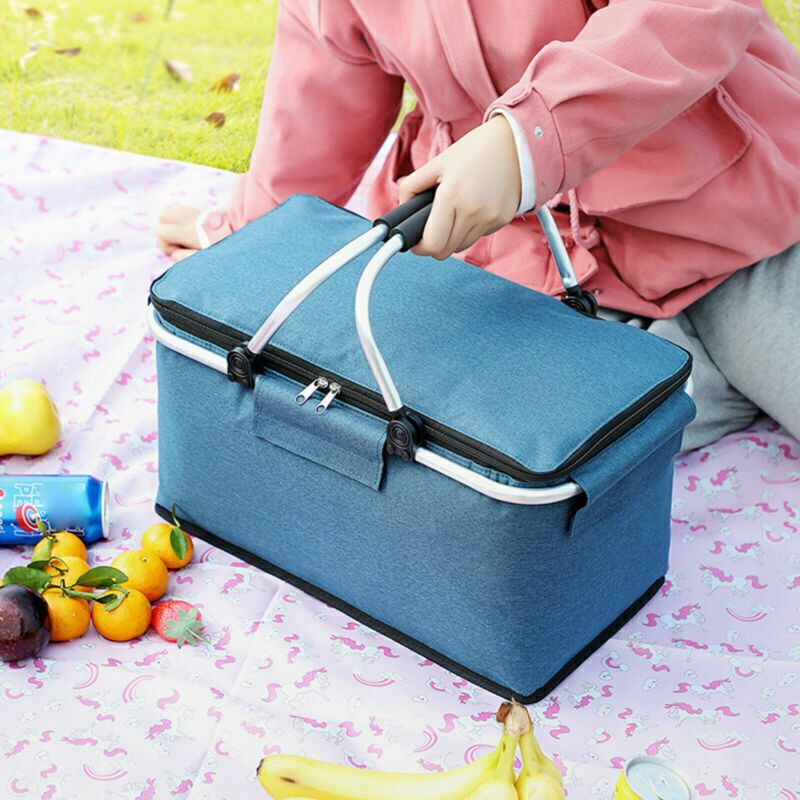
pixel 328 106
pixel 634 67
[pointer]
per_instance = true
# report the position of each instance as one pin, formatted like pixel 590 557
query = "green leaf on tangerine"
pixel 111 600
pixel 46 550
pixel 36 579
pixel 83 595
pixel 101 578
pixel 177 538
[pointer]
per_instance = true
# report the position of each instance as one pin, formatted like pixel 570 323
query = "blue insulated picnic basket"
pixel 504 518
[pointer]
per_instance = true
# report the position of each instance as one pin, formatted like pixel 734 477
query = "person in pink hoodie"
pixel 663 134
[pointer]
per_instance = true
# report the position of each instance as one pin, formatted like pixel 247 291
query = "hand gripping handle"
pixel 408 209
pixel 412 226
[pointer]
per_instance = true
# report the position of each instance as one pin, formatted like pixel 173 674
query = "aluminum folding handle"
pixel 379 232
pixel 404 236
pixel 408 221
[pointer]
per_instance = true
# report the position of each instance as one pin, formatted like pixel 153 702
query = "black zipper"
pixel 302 371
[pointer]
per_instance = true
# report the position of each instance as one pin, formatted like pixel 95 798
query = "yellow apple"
pixel 29 421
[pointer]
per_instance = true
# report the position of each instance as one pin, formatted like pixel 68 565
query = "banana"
pixel 540 778
pixel 287 776
pixel 500 786
pixel 539 787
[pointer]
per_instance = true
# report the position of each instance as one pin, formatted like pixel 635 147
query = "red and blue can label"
pixel 76 503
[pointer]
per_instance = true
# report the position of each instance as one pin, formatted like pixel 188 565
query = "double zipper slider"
pixel 333 390
pixel 319 384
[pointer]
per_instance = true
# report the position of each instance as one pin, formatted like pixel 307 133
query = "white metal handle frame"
pixel 241 359
pixel 518 495
pixel 401 238
pixel 405 429
pixel 404 433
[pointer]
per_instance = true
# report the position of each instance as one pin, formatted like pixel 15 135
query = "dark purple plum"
pixel 24 622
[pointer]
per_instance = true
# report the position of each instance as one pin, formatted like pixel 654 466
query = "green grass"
pixel 116 91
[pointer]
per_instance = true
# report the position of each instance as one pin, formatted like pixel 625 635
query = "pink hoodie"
pixel 675 122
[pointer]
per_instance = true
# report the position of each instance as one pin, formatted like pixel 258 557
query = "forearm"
pixel 635 66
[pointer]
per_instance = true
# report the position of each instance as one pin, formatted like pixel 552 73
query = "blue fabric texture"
pixel 347 440
pixel 510 592
pixel 620 461
pixel 505 365
pixel 502 589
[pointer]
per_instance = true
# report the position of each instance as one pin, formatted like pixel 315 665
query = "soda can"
pixel 76 503
pixel 647 778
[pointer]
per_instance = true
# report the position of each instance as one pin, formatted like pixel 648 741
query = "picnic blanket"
pixel 706 675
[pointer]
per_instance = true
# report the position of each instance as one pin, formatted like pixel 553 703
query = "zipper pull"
pixel 317 383
pixel 333 390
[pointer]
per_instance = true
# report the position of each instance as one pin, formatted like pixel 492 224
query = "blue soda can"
pixel 76 503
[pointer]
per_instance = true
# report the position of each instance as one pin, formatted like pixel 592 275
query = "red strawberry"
pixel 177 621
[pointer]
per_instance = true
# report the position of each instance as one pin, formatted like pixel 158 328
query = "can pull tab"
pixel 317 383
pixel 663 784
pixel 333 390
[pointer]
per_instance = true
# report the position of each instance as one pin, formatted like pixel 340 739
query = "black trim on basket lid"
pixel 296 368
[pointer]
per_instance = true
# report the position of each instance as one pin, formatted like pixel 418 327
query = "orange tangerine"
pixel 146 572
pixel 156 540
pixel 69 616
pixel 131 618
pixel 74 566
pixel 66 544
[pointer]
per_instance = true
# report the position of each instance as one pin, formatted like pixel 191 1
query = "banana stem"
pixel 508 750
pixel 515 718
pixel 540 756
pixel 531 762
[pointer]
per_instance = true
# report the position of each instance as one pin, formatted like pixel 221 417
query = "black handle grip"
pixel 402 212
pixel 410 230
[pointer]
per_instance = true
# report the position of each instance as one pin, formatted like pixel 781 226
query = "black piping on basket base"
pixel 413 644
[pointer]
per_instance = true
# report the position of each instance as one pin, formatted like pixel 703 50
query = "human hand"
pixel 176 232
pixel 479 189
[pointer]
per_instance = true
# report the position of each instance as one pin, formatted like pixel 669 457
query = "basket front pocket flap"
pixel 342 438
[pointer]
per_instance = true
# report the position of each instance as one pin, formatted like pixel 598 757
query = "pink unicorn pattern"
pixel 698 676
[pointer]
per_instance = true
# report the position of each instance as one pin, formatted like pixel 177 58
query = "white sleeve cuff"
pixel 527 176
pixel 202 236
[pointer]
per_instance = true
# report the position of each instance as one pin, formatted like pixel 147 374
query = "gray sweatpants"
pixel 744 337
